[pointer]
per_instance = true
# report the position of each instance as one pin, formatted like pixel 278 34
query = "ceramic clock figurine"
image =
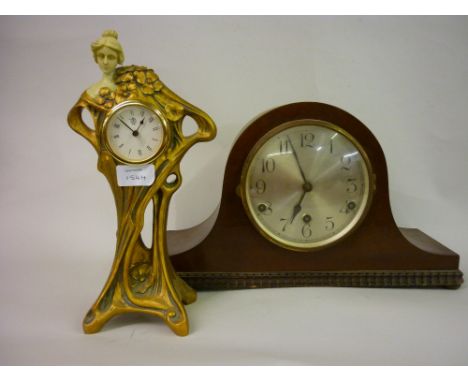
pixel 138 128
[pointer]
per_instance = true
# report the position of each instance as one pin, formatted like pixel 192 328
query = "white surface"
pixel 405 78
pixel 135 175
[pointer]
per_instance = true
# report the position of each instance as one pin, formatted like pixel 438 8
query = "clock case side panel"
pixel 378 253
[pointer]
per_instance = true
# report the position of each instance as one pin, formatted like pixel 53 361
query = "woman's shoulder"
pixel 95 89
pixel 88 101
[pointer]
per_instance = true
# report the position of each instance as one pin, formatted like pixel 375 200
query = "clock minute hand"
pixel 297 161
pixel 121 120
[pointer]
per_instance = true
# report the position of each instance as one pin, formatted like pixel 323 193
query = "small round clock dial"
pixel 306 184
pixel 134 133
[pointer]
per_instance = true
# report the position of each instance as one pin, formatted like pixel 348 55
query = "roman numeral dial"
pixel 134 133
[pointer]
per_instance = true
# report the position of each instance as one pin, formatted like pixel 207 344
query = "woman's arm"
pixel 76 123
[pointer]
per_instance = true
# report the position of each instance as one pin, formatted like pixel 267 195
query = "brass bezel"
pixel 164 125
pixel 314 246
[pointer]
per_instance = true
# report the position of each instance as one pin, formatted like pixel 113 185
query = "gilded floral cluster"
pixel 129 80
pixel 132 79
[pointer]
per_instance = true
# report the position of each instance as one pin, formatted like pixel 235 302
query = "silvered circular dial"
pixel 306 184
pixel 134 132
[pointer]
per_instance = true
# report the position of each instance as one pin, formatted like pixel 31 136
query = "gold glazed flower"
pixel 125 90
pixel 174 111
pixel 157 85
pixel 151 76
pixel 106 97
pixel 131 78
pixel 126 73
pixel 126 77
pixel 140 277
pixel 140 272
pixel 147 90
pixel 140 77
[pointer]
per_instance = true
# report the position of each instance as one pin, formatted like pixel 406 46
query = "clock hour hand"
pixel 121 120
pixel 297 207
pixel 141 124
pixel 306 187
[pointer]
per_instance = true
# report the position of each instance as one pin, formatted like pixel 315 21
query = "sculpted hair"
pixel 110 40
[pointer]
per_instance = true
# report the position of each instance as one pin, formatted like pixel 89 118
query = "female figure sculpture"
pixel 141 279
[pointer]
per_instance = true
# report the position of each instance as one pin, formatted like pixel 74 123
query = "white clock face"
pixel 306 185
pixel 134 133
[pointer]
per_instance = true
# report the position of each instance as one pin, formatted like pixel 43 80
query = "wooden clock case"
pixel 377 254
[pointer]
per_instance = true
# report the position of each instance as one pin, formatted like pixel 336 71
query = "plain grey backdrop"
pixel 406 78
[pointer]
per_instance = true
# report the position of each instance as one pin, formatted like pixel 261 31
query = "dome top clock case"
pixel 305 202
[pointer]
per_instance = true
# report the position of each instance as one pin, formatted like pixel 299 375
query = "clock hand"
pixel 141 124
pixel 297 207
pixel 307 187
pixel 121 120
pixel 297 161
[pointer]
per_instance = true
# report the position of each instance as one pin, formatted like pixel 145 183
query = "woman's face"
pixel 106 59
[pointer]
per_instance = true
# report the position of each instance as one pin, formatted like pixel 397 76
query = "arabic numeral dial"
pixel 306 185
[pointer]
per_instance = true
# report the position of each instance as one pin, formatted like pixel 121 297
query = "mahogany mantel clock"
pixel 305 196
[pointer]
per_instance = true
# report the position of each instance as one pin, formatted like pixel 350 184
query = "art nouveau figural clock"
pixel 140 142
pixel 305 202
